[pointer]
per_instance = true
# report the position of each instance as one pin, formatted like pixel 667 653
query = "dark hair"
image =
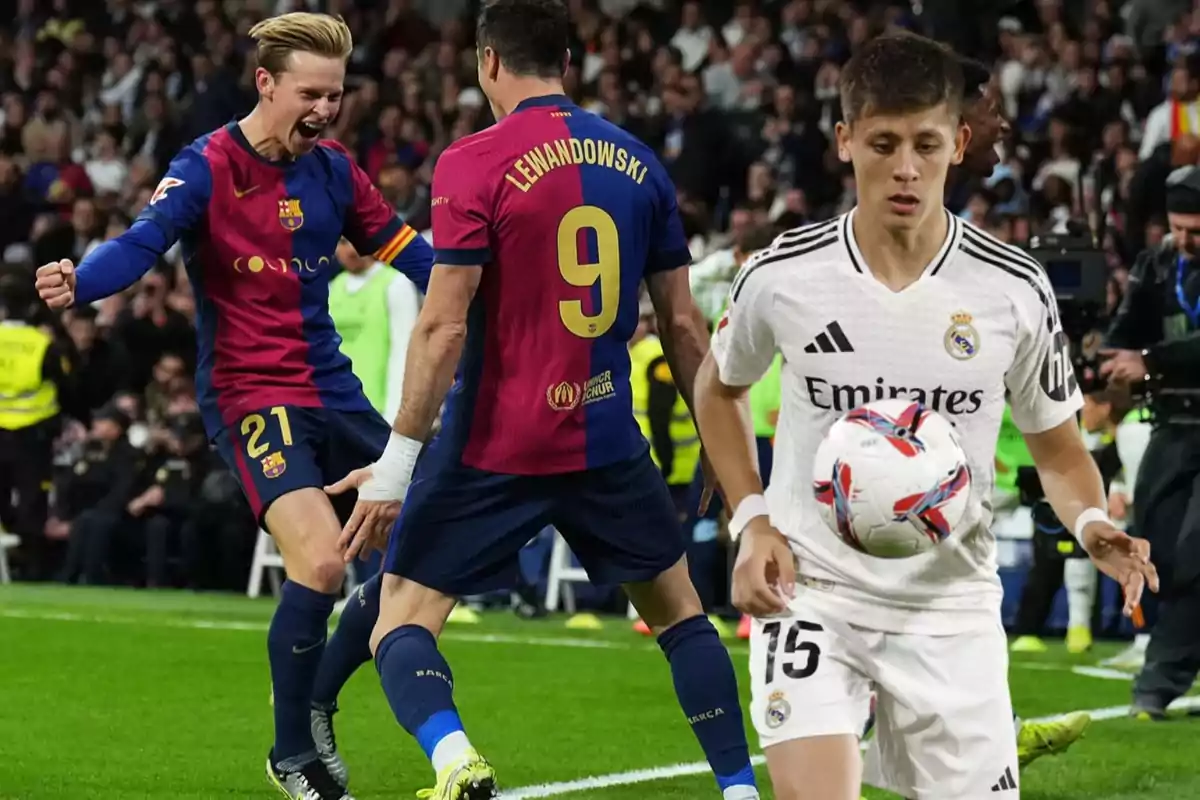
pixel 530 37
pixel 900 73
pixel 975 77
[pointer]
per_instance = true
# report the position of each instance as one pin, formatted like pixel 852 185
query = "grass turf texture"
pixel 121 694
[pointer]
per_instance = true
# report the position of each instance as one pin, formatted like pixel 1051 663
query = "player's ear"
pixel 962 138
pixel 842 132
pixel 566 62
pixel 265 82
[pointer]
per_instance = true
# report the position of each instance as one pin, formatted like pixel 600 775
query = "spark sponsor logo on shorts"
pixel 845 397
pixel 274 465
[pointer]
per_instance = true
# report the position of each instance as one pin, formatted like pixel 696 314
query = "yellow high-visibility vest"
pixel 26 398
pixel 686 441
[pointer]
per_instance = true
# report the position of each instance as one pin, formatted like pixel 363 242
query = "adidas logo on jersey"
pixel 830 340
pixel 1006 782
pixel 844 397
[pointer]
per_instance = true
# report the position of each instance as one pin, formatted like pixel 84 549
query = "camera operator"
pixel 1154 347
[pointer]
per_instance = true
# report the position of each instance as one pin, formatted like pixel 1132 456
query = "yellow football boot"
pixel 472 778
pixel 1037 739
pixel 1079 639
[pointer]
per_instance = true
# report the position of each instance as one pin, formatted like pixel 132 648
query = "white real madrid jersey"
pixel 979 324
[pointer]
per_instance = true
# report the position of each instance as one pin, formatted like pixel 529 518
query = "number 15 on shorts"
pixel 799 657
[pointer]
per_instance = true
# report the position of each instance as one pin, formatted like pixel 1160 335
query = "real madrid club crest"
pixel 290 214
pixel 778 710
pixel 961 340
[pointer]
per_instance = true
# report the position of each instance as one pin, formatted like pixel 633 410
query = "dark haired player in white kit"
pixel 939 312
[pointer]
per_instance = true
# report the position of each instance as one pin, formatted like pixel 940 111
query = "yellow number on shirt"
pixel 606 270
pixel 254 425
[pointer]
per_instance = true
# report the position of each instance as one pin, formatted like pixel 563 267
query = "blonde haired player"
pixel 258 207
pixel 896 276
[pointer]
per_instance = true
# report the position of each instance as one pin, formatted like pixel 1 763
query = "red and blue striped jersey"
pixel 568 214
pixel 259 240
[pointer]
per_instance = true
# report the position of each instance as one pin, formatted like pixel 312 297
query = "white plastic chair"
pixel 268 563
pixel 563 574
pixel 8 541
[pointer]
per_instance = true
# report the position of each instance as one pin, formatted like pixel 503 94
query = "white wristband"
pixel 1089 516
pixel 752 506
pixel 392 473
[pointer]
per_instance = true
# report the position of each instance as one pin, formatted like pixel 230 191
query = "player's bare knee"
pixel 667 600
pixel 405 602
pixel 327 573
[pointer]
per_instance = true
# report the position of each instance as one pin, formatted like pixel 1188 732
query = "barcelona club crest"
pixel 778 710
pixel 290 215
pixel 961 339
pixel 563 396
pixel 274 465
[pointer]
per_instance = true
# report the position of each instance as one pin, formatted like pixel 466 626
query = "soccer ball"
pixel 891 479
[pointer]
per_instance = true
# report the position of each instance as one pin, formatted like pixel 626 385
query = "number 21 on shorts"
pixel 605 270
pixel 800 657
pixel 253 426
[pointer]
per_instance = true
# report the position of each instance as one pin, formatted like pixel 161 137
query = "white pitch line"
pixel 701 767
pixel 582 784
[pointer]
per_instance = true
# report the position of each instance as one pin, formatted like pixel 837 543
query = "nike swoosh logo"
pixel 302 650
pixel 240 193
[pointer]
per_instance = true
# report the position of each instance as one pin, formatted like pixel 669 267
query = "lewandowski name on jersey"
pixel 980 325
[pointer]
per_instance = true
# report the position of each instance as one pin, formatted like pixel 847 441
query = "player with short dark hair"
pixel 258 207
pixel 545 227
pixel 928 308
pixel 983 114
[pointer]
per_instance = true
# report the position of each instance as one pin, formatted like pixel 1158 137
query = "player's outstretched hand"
pixel 370 524
pixel 55 283
pixel 1122 558
pixel 764 578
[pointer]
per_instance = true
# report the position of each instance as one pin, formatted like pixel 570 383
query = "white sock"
pixel 1016 724
pixel 450 750
pixel 740 793
pixel 1140 640
pixel 1079 576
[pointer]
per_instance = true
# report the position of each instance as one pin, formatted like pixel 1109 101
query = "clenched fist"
pixel 56 283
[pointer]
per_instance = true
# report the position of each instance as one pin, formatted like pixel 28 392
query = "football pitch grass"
pixel 121 694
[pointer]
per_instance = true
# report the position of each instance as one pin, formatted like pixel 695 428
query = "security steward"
pixel 35 381
pixel 1154 347
pixel 661 412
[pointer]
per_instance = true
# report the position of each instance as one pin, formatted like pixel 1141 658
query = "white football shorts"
pixel 944 721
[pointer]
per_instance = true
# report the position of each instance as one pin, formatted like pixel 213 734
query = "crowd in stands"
pixel 739 98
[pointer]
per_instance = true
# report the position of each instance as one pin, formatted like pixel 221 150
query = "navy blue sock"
pixel 295 643
pixel 707 689
pixel 418 685
pixel 350 646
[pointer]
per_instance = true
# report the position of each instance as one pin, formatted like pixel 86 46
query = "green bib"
pixel 765 398
pixel 361 319
pixel 1011 453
